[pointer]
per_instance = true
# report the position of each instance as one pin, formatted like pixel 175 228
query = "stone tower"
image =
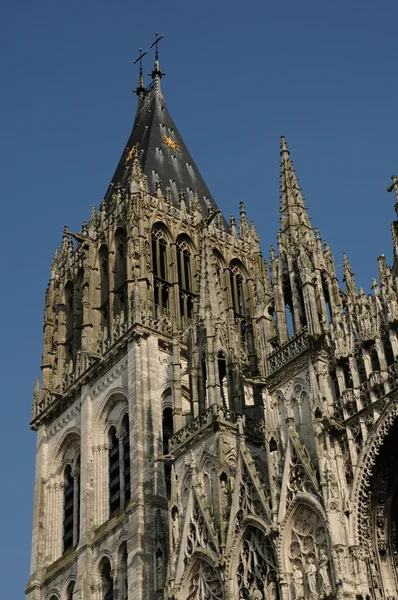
pixel 208 427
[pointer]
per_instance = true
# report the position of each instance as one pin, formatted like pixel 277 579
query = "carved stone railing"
pixel 216 414
pixel 292 348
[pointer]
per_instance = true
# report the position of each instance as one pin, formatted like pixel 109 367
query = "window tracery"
pixel 308 555
pixel 205 583
pixel 257 570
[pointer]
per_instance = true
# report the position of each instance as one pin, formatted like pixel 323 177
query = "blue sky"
pixel 238 76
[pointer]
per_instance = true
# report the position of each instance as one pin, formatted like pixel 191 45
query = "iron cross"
pixel 141 56
pixel 156 42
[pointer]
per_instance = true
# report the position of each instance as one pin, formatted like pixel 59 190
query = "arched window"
pixel 69 322
pixel 104 292
pixel 167 430
pixel 185 278
pixel 120 275
pixel 71 507
pixel 78 309
pixel 114 472
pixel 160 249
pixel 69 591
pixel 238 295
pixel 106 580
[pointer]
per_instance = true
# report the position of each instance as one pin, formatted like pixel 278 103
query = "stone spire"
pixel 295 221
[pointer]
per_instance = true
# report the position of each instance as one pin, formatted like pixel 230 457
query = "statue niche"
pixel 308 556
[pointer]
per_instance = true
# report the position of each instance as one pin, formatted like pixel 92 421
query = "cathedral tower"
pixel 208 427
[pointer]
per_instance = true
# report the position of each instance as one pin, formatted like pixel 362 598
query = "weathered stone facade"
pixel 208 427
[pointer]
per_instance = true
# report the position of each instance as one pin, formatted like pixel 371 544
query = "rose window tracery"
pixel 205 583
pixel 309 556
pixel 257 572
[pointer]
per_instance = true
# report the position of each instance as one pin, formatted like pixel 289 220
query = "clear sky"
pixel 239 74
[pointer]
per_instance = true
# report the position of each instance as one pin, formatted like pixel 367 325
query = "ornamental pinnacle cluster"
pixel 210 427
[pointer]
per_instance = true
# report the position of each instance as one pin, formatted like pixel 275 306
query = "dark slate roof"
pixel 153 133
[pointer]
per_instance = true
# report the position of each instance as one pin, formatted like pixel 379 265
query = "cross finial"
pixel 141 87
pixel 156 43
pixel 141 56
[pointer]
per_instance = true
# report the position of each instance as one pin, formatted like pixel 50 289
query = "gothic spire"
pixel 295 220
pixel 348 276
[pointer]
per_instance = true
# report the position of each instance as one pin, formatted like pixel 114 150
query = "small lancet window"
pixel 126 460
pixel 104 291
pixel 167 430
pixel 239 297
pixel 185 279
pixel 120 275
pixel 160 249
pixel 69 322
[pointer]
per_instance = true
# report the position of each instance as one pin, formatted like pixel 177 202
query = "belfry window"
pixel 160 249
pixel 120 276
pixel 119 467
pixel 104 285
pixel 126 460
pixel 185 279
pixel 71 508
pixel 114 472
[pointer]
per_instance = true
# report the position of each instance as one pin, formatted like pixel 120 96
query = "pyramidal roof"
pixel 163 154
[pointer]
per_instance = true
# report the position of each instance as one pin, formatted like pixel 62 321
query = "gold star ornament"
pixel 171 143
